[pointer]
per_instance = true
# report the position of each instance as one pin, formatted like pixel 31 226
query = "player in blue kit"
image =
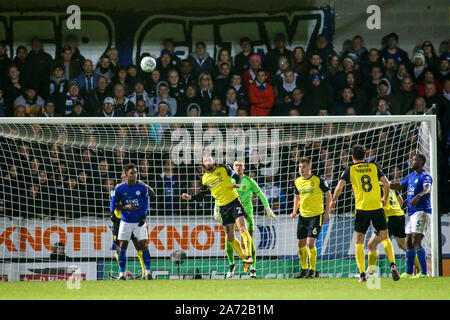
pixel 418 185
pixel 131 197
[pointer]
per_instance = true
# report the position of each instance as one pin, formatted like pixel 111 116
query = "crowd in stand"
pixel 283 82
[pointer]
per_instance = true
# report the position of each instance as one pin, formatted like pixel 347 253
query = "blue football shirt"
pixel 136 195
pixel 415 183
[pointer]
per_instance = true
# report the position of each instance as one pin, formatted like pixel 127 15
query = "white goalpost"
pixel 57 175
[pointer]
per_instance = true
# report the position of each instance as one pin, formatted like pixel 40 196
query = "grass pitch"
pixel 261 289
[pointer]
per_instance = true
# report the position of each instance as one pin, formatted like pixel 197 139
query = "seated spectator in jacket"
pixel 242 95
pixel 340 107
pixel 322 47
pixel 400 74
pixel 108 110
pixel 249 76
pixel 360 97
pixel 13 88
pixel 420 107
pixel 283 66
pixel 19 60
pixel 49 109
pixel 222 80
pixel 158 130
pixel 73 94
pixel 298 103
pixel 58 253
pixel 31 101
pixel 78 110
pixel 428 77
pixel 72 43
pixel 224 56
pixel 162 94
pixel 141 109
pixel 205 92
pixel 140 94
pixel 261 95
pixel 316 62
pixel 365 66
pixel 57 85
pixel 372 85
pixel 339 80
pixel 383 107
pixel 444 70
pixel 299 62
pixel 358 51
pixel 164 63
pixel 384 91
pixel 431 58
pixel 419 66
pixel 431 96
pixel 176 89
pixel 95 98
pixel 186 100
pixel 186 74
pixel 122 78
pixel 113 55
pixel 19 111
pixel 242 59
pixel 200 60
pixel 88 79
pixel 104 68
pixel 231 103
pixel 124 105
pixel 317 93
pixel 272 57
pixel 216 109
pixel 193 110
pixel 288 81
pixel 71 67
pixel 5 62
pixel 169 44
pixel 393 51
pixel 406 95
pixel 38 63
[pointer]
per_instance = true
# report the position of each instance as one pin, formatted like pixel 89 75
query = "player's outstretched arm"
pixel 257 190
pixel 336 194
pixel 199 196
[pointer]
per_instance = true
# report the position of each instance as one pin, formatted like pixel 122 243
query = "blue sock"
pixel 122 259
pixel 422 257
pixel 410 257
pixel 146 258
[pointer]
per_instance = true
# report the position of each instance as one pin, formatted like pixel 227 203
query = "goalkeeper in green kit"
pixel 246 189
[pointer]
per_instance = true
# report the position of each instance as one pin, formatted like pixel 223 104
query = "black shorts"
pixel 363 219
pixel 115 232
pixel 232 211
pixel 309 227
pixel 396 226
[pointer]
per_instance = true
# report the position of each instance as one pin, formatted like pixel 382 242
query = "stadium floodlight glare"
pixel 58 175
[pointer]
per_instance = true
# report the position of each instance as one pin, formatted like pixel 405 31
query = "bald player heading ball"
pixel 365 179
pixel 217 180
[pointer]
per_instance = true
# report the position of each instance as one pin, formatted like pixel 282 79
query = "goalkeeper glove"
pixel 270 214
pixel 114 218
pixel 142 220
pixel 217 214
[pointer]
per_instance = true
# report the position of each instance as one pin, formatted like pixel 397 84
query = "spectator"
pixel 334 65
pixel 402 72
pixel 49 109
pixel 444 70
pixel 231 103
pixel 371 87
pixel 139 94
pixel 222 80
pixel 288 81
pixel 431 97
pixel 200 60
pixel 38 64
pixel 113 55
pixel 13 88
pixel 318 94
pixel 215 109
pixel 283 65
pixel 88 79
pixel 384 91
pixel 104 68
pixel 168 188
pixel 71 67
pixel 322 47
pixel 5 62
pixel 121 77
pixel 108 109
pixel 164 63
pixel 390 68
pixel 162 94
pixel 383 107
pixel 31 101
pixel 393 51
pixel 298 103
pixel 261 95
pixel 193 110
pixel 273 56
pixel 419 66
pixel 189 98
pixel 58 253
pixel 431 58
pixel 19 60
pixel 420 107
pixel 339 80
pixel 298 62
pixel 157 131
pixel 186 76
pixel 428 77
pixel 2 104
pixel 242 59
pixel 242 113
pixel 141 109
pixel 124 105
pixel 72 95
pixel 224 56
pixel 132 73
pixel 360 97
pixel 176 90
pixel 315 62
pixel 169 44
pixel 19 111
pixel 274 192
pixel 78 110
pixel 357 50
pixel 242 95
pixel 250 75
pixel 340 108
pixel 152 82
pixel 72 43
pixel 205 91
pixel 365 67
pixel 95 98
pixel 57 85
pixel 407 95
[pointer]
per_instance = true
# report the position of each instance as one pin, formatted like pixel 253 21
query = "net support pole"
pixel 435 265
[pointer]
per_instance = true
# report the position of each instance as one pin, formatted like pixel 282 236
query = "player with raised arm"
pixel 308 202
pixel 418 185
pixel 131 197
pixel 247 188
pixel 395 219
pixel 216 180
pixel 365 179
pixel 116 216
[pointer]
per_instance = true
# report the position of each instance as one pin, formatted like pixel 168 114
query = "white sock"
pixel 121 274
pixel 147 272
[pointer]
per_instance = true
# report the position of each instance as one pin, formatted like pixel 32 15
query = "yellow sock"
pixel 360 257
pixel 312 253
pixel 117 257
pixel 237 247
pixel 389 249
pixel 303 256
pixel 141 260
pixel 417 265
pixel 247 239
pixel 372 257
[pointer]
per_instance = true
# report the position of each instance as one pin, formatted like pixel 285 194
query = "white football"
pixel 148 64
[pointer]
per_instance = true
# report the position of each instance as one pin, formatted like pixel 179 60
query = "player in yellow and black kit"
pixel 309 191
pixel 115 218
pixel 217 180
pixel 365 179
pixel 395 218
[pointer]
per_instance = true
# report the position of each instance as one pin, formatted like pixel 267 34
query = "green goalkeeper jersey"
pixel 246 190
